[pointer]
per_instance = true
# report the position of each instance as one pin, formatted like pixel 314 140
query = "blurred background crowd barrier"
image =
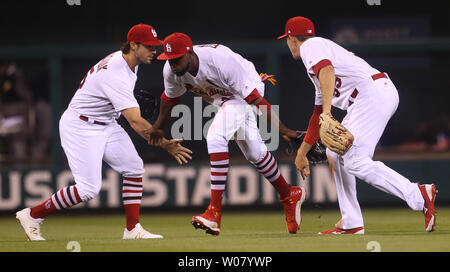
pixel 45 54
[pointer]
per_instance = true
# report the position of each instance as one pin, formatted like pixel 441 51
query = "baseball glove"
pixel 270 78
pixel 148 104
pixel 334 135
pixel 317 154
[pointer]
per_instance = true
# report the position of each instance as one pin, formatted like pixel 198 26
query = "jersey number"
pixel 84 78
pixel 103 64
pixel 338 84
pixel 336 93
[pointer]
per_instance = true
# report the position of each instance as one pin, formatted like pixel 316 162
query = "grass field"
pixel 394 230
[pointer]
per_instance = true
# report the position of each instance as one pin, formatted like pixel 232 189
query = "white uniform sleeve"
pixel 315 54
pixel 119 92
pixel 239 73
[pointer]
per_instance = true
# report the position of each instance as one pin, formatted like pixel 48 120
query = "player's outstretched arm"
pixel 312 136
pixel 156 133
pixel 179 152
pixel 142 126
pixel 327 80
pixel 139 124
pixel 301 161
pixel 256 99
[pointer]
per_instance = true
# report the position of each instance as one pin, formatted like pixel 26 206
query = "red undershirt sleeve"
pixel 312 134
pixel 169 100
pixel 255 95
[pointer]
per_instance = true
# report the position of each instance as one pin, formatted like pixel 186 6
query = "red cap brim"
pixel 153 43
pixel 164 56
pixel 282 36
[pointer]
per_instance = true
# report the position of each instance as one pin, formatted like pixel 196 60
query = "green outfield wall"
pixel 173 186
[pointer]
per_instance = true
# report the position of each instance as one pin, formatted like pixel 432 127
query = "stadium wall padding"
pixel 173 186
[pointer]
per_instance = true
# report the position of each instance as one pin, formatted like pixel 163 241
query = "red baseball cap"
pixel 144 34
pixel 175 45
pixel 298 26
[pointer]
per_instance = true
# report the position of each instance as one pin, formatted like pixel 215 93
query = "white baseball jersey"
pixel 350 70
pixel 106 89
pixel 222 75
pixel 366 119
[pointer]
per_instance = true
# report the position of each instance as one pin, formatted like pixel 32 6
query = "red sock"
pixel 132 214
pixel 131 196
pixel 282 187
pixel 64 198
pixel 216 199
pixel 43 209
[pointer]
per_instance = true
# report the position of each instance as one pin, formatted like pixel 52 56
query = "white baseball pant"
pixel 236 120
pixel 366 119
pixel 86 145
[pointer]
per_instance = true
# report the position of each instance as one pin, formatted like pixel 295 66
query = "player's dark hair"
pixel 303 38
pixel 125 48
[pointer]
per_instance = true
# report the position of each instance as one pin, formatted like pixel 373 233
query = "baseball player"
pixel 230 82
pixel 346 81
pixel 89 134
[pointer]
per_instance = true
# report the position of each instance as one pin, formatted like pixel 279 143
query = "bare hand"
pixel 289 135
pixel 302 165
pixel 179 152
pixel 155 136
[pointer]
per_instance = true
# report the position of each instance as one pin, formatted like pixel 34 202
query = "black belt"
pixel 84 118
